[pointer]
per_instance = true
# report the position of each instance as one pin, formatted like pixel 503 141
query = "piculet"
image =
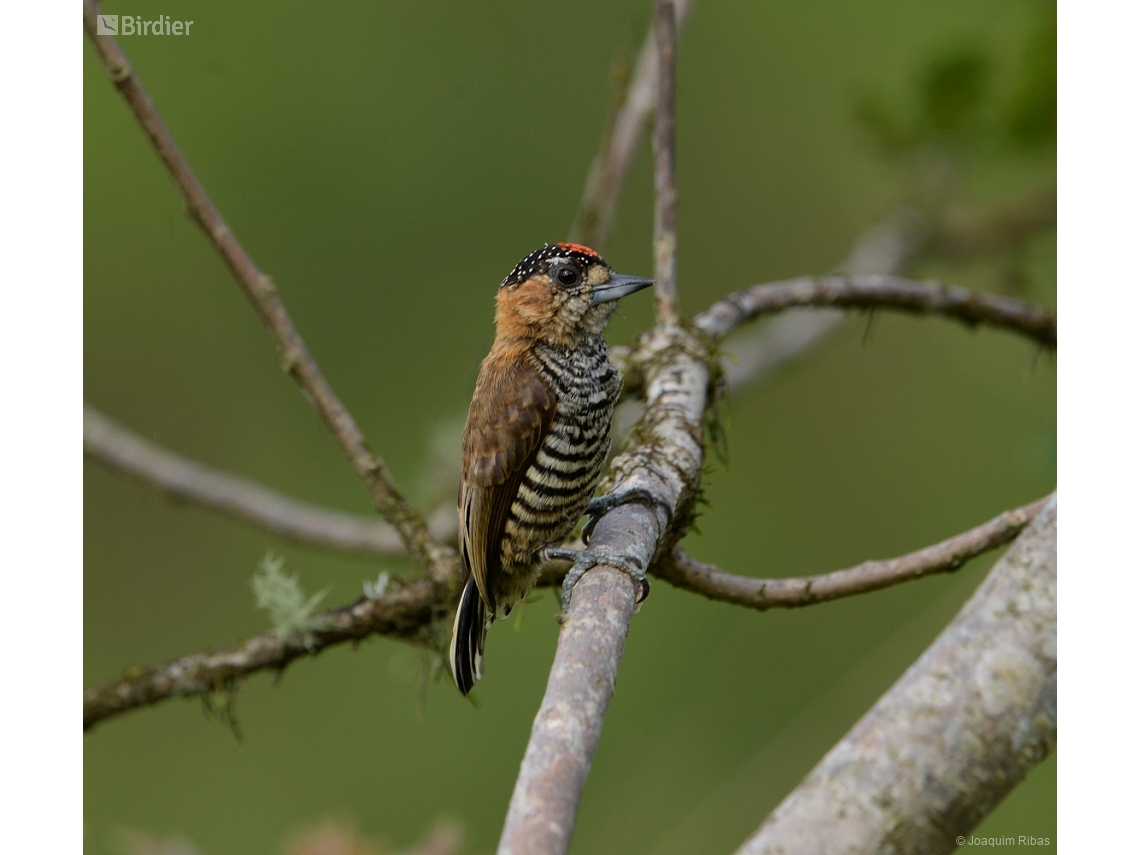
pixel 537 434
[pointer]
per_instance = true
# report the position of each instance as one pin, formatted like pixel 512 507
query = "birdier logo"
pixel 132 25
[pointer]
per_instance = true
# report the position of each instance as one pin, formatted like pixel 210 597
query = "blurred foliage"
pixel 972 117
pixel 956 105
pixel 1032 110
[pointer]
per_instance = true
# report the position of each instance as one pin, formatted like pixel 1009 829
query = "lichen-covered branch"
pixel 680 569
pixel 624 132
pixel 241 498
pixel 662 465
pixel 407 611
pixel 881 292
pixel 262 294
pixel 953 736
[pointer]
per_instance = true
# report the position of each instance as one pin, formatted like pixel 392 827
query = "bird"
pixel 537 434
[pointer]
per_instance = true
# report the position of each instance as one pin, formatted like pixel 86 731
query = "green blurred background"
pixel 387 164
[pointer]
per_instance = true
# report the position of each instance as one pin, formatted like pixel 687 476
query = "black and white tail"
pixel 467 638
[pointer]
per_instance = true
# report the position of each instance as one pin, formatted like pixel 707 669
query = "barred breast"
pixel 559 483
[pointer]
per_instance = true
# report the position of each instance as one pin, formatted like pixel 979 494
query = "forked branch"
pixel 262 293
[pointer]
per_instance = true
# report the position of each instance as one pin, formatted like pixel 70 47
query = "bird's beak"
pixel 617 287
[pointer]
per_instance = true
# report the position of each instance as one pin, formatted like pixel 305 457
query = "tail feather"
pixel 467 638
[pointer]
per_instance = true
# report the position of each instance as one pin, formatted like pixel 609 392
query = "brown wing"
pixel 510 413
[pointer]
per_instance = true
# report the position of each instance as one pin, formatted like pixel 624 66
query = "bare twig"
pixel 953 736
pixel 686 572
pixel 664 470
pixel 620 143
pixel 881 292
pixel 887 248
pixel 187 480
pixel 665 168
pixel 262 293
pixel 407 611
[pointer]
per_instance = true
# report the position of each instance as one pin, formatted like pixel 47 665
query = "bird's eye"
pixel 567 276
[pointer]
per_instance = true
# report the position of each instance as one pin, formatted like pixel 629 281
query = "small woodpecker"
pixel 537 434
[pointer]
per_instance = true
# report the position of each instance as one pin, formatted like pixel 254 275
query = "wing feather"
pixel 510 414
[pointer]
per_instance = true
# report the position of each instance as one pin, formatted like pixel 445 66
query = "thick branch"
pixel 187 480
pixel 620 143
pixel 953 736
pixel 262 293
pixel 664 468
pixel 881 292
pixel 407 611
pixel 686 572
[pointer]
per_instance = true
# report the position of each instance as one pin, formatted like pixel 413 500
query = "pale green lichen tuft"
pixel 376 590
pixel 282 598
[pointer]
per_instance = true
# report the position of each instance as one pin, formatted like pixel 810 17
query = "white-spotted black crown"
pixel 540 260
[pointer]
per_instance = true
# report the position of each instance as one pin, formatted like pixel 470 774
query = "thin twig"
pixel 663 468
pixel 665 168
pixel 886 248
pixel 407 611
pixel 955 733
pixel 686 572
pixel 244 499
pixel 881 292
pixel 620 142
pixel 262 293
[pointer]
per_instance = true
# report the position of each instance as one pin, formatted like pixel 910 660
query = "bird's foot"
pixel 585 559
pixel 602 505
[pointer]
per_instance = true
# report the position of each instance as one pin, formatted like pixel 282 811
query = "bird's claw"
pixel 589 558
pixel 601 505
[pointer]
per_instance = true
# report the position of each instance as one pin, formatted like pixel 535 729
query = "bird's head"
pixel 560 294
